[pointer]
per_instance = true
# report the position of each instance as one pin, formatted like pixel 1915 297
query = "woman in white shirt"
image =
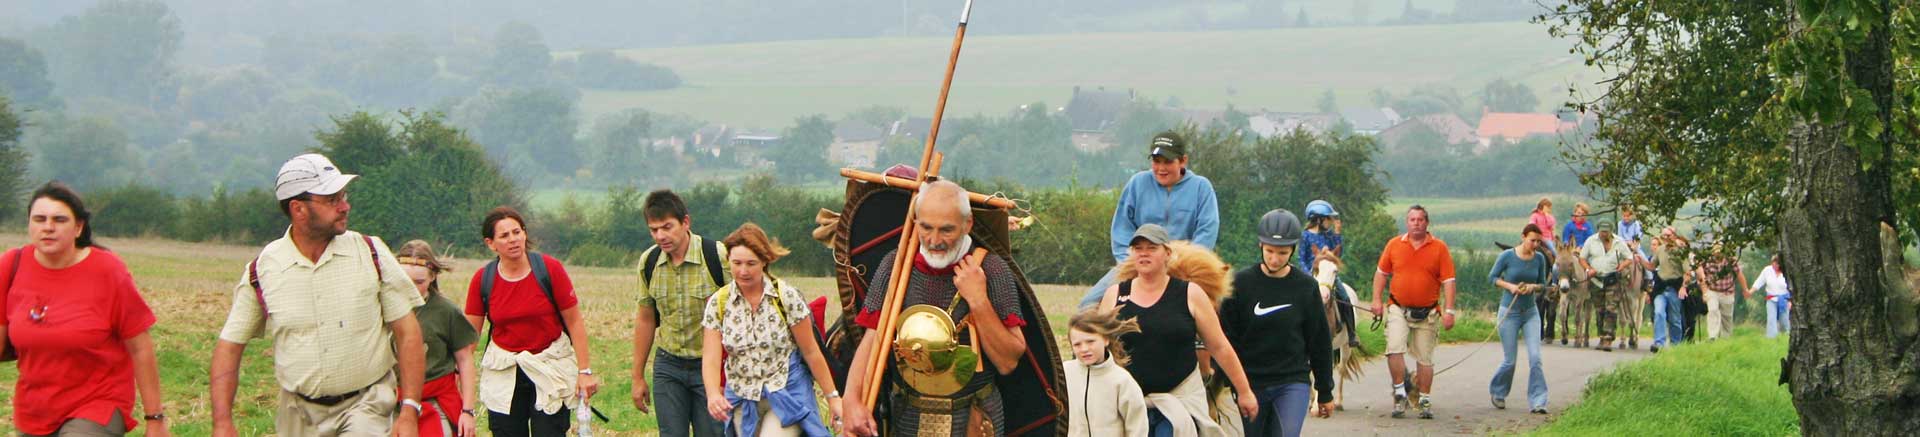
pixel 1779 296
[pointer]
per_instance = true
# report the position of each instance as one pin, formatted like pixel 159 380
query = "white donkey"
pixel 1348 356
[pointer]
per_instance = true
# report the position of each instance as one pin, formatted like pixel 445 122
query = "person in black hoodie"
pixel 1274 319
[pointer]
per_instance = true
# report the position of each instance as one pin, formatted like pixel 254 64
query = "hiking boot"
pixel 1426 408
pixel 1539 410
pixel 1499 404
pixel 1654 349
pixel 1399 406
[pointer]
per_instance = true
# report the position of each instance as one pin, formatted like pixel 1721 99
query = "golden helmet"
pixel 928 354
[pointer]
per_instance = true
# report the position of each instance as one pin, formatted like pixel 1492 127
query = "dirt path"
pixel 1461 404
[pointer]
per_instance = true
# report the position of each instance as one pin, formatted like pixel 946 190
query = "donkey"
pixel 1576 307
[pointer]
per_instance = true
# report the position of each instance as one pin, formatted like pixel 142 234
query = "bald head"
pixel 944 196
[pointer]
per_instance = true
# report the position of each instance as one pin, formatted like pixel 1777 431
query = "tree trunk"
pixel 1853 364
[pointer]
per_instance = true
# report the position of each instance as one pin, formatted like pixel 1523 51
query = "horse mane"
pixel 1328 255
pixel 1194 264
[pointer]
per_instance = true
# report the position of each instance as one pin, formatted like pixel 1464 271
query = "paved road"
pixel 1461 404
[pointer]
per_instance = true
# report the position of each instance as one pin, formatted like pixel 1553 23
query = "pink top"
pixel 1545 222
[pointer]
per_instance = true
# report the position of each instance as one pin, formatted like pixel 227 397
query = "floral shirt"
pixel 758 340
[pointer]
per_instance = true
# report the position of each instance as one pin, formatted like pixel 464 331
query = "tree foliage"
pixel 520 56
pixel 121 49
pixel 421 177
pixel 604 69
pixel 85 152
pixel 529 129
pixel 23 75
pixel 13 162
pixel 1793 123
pixel 801 154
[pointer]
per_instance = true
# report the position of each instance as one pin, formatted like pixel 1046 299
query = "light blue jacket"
pixel 1189 211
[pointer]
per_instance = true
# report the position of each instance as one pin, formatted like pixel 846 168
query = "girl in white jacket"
pixel 1104 399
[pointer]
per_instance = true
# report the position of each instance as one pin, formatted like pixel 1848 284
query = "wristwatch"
pixel 587 371
pixel 470 412
pixel 155 417
pixel 1452 313
pixel 833 395
pixel 411 404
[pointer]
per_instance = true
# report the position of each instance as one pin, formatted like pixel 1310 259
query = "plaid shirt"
pixel 1720 275
pixel 679 295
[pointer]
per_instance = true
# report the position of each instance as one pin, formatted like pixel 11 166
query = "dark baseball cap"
pixel 1168 145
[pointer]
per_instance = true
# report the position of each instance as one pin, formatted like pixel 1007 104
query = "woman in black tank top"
pixel 1172 314
pixel 1166 334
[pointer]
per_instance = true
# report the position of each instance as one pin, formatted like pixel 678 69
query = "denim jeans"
pixel 1517 324
pixel 1667 323
pixel 1099 290
pixel 1283 409
pixel 1777 313
pixel 1158 425
pixel 680 398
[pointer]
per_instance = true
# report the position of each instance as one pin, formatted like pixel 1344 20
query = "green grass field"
pixel 189 286
pixel 767 85
pixel 1726 387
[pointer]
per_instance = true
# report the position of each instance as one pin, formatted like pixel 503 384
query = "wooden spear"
pixel 909 239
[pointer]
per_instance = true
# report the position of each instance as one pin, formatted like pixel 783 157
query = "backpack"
pixel 11 354
pixel 709 255
pixel 253 274
pixel 539 264
pixel 819 338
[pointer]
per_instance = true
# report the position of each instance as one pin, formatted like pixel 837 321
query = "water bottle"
pixel 583 418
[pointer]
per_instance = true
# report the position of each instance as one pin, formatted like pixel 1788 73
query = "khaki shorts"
pixel 1422 336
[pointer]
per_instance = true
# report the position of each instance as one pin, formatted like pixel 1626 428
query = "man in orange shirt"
pixel 1419 265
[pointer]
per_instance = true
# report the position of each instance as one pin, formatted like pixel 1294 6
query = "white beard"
pixel 952 256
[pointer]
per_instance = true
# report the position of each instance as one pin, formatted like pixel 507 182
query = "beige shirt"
pixel 328 318
pixel 1105 401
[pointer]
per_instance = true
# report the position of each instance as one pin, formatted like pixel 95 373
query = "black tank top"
pixel 1162 351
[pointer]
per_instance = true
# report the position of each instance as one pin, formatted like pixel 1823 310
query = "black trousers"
pixel 526 421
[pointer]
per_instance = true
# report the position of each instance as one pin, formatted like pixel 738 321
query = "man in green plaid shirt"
pixel 674 285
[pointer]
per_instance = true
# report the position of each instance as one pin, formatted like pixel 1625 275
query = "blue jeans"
pixel 1158 425
pixel 1283 409
pixel 1518 323
pixel 1777 313
pixel 1667 325
pixel 680 398
pixel 1099 290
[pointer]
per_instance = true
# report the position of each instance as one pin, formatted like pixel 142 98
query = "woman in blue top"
pixel 1521 271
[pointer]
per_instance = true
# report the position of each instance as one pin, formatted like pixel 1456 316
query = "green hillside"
pixel 769 84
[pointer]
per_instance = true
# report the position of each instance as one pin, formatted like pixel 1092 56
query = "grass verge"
pixel 1724 387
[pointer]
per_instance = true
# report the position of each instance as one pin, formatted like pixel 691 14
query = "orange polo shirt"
pixel 1416 273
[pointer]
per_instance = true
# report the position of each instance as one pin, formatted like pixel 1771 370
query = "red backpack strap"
pixel 375 255
pixel 253 278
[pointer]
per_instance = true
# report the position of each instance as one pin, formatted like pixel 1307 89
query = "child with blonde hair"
pixel 1104 399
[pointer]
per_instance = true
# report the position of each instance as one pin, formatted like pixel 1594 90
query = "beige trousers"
pixel 370 414
pixel 1719 314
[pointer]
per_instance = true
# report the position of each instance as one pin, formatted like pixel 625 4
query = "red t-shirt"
pixel 521 317
pixel 73 355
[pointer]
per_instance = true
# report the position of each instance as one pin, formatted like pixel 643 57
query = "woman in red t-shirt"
pixel 529 378
pixel 81 331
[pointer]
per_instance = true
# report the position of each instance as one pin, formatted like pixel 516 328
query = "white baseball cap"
pixel 309 173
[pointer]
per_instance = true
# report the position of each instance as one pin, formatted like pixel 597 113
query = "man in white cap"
pixel 339 308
